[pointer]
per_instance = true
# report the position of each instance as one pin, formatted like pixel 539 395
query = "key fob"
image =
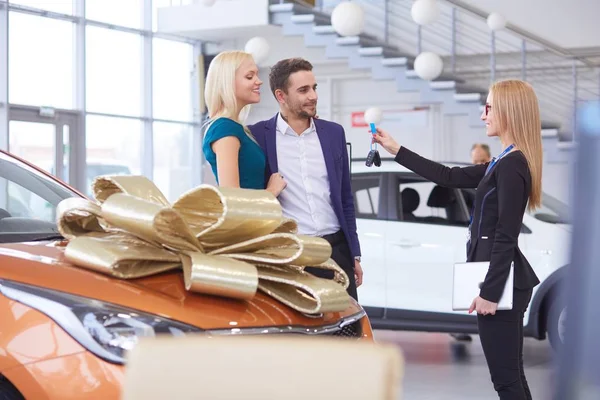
pixel 377 159
pixel 371 158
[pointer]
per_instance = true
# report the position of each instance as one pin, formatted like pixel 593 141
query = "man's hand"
pixel 483 306
pixel 358 273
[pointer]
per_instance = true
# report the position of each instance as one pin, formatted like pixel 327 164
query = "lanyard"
pixel 490 166
pixel 496 159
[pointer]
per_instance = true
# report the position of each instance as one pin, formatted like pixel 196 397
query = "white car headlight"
pixel 107 330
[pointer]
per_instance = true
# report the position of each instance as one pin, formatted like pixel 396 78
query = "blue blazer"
pixel 333 143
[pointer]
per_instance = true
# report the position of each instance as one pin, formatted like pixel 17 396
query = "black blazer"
pixel 500 202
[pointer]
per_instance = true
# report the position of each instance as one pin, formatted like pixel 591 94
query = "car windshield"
pixel 28 201
pixel 552 210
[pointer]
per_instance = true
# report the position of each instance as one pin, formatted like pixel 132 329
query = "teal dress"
pixel 251 158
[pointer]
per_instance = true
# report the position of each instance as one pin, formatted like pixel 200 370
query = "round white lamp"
pixel 424 12
pixel 496 21
pixel 259 48
pixel 207 3
pixel 373 115
pixel 428 66
pixel 348 19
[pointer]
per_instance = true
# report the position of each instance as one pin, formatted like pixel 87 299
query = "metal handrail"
pixel 567 79
pixel 523 34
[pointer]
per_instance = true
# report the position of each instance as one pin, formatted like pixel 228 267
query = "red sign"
pixel 358 119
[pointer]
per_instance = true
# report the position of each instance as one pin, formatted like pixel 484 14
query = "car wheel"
pixel 556 323
pixel 8 391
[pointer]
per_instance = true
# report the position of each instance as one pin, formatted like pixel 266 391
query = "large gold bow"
pixel 229 242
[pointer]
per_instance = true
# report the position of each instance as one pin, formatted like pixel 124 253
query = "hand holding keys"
pixel 373 157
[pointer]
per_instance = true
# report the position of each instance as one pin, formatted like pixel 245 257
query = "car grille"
pixel 353 330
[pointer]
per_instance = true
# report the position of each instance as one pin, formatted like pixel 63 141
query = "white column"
pixel 199 114
pixel 77 139
pixel 3 94
pixel 3 76
pixel 146 84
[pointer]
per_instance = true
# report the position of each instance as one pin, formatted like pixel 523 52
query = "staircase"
pixel 385 61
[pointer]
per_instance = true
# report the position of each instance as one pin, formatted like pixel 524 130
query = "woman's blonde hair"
pixel 219 90
pixel 517 112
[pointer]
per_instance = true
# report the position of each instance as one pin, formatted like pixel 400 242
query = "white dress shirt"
pixel 306 197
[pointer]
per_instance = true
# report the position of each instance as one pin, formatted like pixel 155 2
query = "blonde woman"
pixel 505 187
pixel 232 85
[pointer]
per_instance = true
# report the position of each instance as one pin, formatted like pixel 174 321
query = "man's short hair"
pixel 280 72
pixel 484 147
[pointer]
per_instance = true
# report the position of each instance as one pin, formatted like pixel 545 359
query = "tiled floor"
pixel 438 367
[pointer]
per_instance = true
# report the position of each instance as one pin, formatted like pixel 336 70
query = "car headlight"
pixel 107 330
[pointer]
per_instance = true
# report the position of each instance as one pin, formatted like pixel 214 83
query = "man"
pixel 480 153
pixel 311 155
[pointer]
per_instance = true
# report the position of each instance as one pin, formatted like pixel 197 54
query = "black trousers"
pixel 341 254
pixel 502 340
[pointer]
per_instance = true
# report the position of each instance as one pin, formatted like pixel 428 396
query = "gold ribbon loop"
pixel 78 216
pixel 280 248
pixel 228 215
pixel 136 233
pixel 121 256
pixel 339 275
pixel 149 221
pixel 137 186
pixel 219 276
pixel 302 291
pixel 287 226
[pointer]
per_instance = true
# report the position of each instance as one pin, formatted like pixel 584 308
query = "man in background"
pixel 480 153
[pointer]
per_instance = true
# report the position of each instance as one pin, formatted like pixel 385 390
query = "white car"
pixel 412 231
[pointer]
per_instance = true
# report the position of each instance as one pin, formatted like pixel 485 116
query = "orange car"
pixel 64 330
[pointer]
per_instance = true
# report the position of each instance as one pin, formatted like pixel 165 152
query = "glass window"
pixel 552 210
pixel 113 147
pixel 172 158
pixel 28 201
pixel 363 202
pixel 414 196
pixel 40 61
pixel 113 72
pixel 366 195
pixel 117 12
pixel 172 80
pixel 423 201
pixel 59 6
pixel 34 142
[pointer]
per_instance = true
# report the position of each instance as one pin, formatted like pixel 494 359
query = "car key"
pixel 373 157
pixel 377 159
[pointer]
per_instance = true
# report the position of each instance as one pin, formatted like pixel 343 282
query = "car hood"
pixel 43 264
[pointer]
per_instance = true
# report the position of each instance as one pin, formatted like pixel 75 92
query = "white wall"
pixel 557 180
pixel 572 23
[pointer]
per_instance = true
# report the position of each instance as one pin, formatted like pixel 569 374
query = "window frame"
pixel 80 24
pixel 400 178
pixel 369 177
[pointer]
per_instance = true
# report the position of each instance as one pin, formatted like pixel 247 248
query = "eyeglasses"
pixel 487 109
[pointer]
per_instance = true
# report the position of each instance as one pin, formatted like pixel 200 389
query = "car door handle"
pixel 405 244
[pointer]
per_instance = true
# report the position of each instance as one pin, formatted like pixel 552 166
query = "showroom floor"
pixel 439 368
